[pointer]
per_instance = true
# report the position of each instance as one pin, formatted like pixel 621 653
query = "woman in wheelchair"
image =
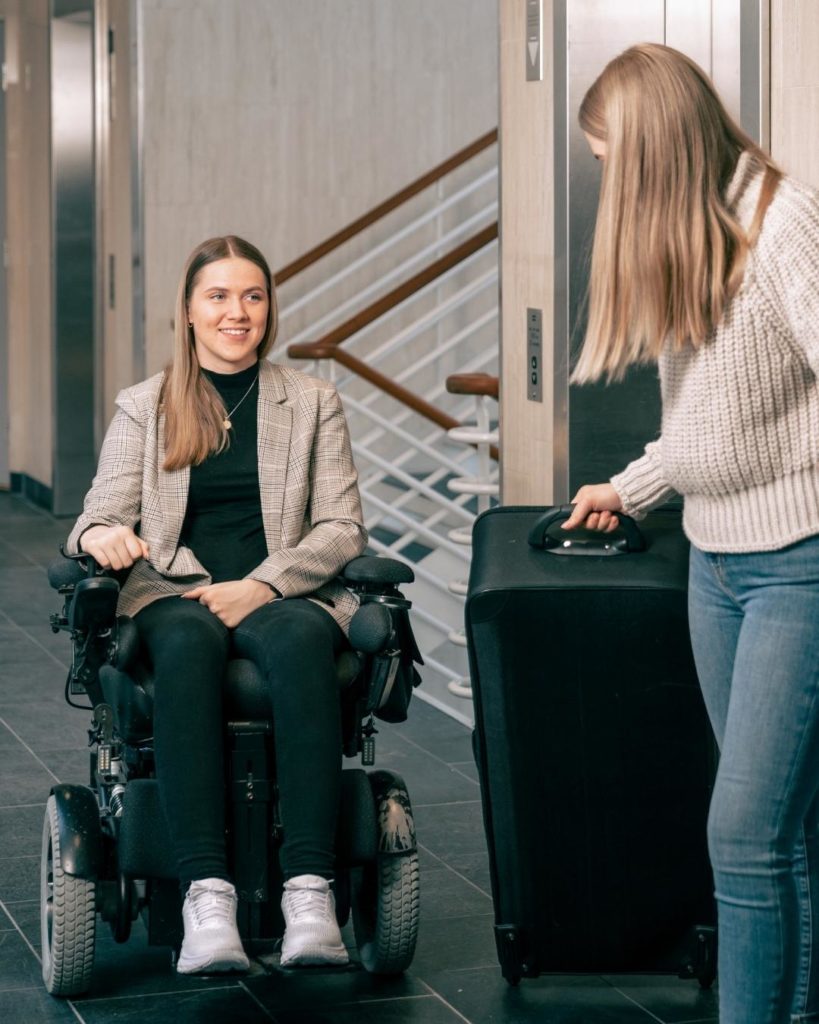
pixel 226 487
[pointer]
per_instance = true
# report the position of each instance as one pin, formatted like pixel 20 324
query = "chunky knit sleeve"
pixel 642 485
pixel 788 267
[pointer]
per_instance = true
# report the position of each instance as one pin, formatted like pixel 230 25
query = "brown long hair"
pixel 668 254
pixel 194 410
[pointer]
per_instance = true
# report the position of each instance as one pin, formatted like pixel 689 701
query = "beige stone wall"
pixel 288 120
pixel 795 87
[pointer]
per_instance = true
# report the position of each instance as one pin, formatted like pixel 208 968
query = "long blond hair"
pixel 668 253
pixel 194 410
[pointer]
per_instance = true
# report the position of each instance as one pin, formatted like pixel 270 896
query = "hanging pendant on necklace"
pixel 227 422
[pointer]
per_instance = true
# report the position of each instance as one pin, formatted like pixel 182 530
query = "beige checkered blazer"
pixel 310 502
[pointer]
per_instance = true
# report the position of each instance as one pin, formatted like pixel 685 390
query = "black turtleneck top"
pixel 223 521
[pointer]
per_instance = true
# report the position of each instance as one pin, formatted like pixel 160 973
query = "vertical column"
pixel 533 255
pixel 4 320
pixel 75 317
pixel 795 87
pixel 118 364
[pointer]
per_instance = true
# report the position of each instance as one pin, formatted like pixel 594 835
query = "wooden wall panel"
pixel 795 87
pixel 287 122
pixel 527 257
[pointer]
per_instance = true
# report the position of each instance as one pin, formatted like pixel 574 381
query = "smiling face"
pixel 228 310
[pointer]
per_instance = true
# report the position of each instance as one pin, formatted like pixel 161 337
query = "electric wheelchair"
pixel 106 850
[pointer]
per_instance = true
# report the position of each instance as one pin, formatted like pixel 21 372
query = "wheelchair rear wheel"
pixel 67 917
pixel 385 904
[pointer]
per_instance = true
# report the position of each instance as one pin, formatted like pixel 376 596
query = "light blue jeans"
pixel 755 632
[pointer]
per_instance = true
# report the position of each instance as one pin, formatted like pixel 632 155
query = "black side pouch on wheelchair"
pixel 393 675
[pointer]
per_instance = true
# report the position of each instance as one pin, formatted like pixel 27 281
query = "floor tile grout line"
pixel 454 767
pixel 28 748
pixel 435 757
pixel 257 1001
pixel 463 878
pixel 446 1002
pixel 447 803
pixel 19 552
pixel 17 927
pixel 172 992
pixel 34 640
pixel 640 1006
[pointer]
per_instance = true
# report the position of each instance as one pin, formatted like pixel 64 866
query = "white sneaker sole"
pixel 214 963
pixel 313 956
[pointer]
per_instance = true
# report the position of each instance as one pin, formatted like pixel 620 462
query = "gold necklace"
pixel 226 422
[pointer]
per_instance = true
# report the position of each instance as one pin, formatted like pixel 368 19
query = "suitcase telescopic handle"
pixel 630 539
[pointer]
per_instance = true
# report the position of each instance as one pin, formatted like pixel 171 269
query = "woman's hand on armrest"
pixel 114 547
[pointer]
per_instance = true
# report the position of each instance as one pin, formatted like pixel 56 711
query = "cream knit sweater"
pixel 740 423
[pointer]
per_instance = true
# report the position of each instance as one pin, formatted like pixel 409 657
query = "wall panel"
pixel 285 123
pixel 28 203
pixel 795 87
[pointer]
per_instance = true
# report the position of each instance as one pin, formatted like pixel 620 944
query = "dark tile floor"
pixel 454 976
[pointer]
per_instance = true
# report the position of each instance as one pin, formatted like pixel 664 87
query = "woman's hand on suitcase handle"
pixel 593 508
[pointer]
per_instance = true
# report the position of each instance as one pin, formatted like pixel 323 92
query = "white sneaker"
pixel 211 940
pixel 312 935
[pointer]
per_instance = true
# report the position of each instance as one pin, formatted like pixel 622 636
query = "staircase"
pixel 389 308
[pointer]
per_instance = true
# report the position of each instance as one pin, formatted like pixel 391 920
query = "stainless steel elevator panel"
pixel 73 216
pixel 5 476
pixel 606 426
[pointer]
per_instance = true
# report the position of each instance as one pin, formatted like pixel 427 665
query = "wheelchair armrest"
pixel 371 628
pixel 371 569
pixel 68 570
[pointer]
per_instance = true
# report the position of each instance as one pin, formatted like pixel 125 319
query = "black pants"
pixel 294 643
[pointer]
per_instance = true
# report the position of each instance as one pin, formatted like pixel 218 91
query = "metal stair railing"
pixel 390 360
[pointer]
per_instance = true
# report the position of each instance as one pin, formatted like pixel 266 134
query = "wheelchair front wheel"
pixel 385 905
pixel 67 917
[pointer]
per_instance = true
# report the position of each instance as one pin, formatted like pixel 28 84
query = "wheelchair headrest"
pixel 371 628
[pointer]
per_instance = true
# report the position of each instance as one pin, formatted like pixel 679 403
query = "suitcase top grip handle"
pixel 630 541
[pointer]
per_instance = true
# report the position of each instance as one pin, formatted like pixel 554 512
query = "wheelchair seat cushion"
pixel 131 695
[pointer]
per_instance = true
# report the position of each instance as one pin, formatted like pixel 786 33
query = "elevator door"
pixel 4 313
pixel 72 172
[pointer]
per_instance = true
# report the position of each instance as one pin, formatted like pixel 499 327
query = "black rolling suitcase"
pixel 595 756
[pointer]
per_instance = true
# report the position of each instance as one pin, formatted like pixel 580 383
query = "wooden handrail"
pixel 455 161
pixel 329 346
pixel 397 295
pixel 472 384
pixel 389 387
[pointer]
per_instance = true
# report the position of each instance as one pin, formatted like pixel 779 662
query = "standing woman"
pixel 706 260
pixel 226 484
